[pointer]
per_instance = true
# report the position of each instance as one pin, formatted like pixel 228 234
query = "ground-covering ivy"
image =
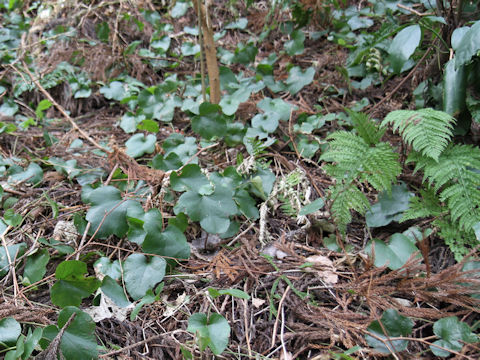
pixel 219 199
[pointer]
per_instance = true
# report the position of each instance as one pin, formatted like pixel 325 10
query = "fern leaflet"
pixel 455 181
pixel 428 131
pixel 365 127
pixel 355 161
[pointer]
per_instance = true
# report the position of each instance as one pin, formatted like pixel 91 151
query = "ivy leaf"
pixel 108 268
pixel 72 285
pixel 161 44
pixel 210 122
pixel 170 243
pixel 179 9
pixel 403 46
pixel 212 331
pixel 276 106
pixel 142 273
pixel 267 122
pixel 312 207
pixel 78 341
pixel 188 48
pixel 10 330
pixel 389 207
pixel 13 250
pixel 295 45
pixel 213 211
pixel 191 178
pixel 452 333
pixel 229 104
pixel 106 202
pixel 139 144
pixel 214 293
pixel 33 174
pixel 395 325
pixel 129 122
pixel 35 267
pixel 140 222
pixel 114 291
pixel 396 253
pixel 114 91
pixel 297 79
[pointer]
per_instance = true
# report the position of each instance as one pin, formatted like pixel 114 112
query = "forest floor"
pixel 307 300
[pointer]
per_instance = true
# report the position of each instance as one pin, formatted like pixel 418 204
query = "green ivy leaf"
pixel 213 211
pixel 10 330
pixel 8 108
pixel 307 148
pixel 214 293
pixel 297 79
pixel 396 253
pixel 452 333
pixel 106 202
pixel 114 91
pixel 295 45
pixel 395 325
pixel 108 268
pixel 389 207
pixel 161 44
pixel 276 106
pixel 240 24
pixel 245 53
pixel 141 222
pixel 267 122
pixel 312 207
pixel 229 104
pixel 114 291
pixel 78 340
pixel 72 285
pixel 212 331
pixel 188 48
pixel 170 243
pixel 191 178
pixel 179 9
pixel 139 144
pixel 33 174
pixel 35 266
pixel 129 122
pixel 403 46
pixel 142 273
pixel 14 251
pixel 210 122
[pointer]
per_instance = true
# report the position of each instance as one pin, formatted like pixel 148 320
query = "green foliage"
pixel 78 340
pixel 428 131
pixel 453 178
pixel 395 325
pixel 394 254
pixel 356 162
pixel 212 331
pixel 10 330
pixel 72 285
pixel 453 334
pixel 142 273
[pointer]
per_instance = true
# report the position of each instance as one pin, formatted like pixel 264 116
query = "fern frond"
pixel 453 178
pixel 425 205
pixel 428 131
pixel 344 198
pixel 459 241
pixel 366 128
pixel 355 159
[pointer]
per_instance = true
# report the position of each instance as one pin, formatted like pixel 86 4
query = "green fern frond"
pixel 459 241
pixel 366 128
pixel 345 198
pixel 452 177
pixel 355 159
pixel 428 131
pixel 425 205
